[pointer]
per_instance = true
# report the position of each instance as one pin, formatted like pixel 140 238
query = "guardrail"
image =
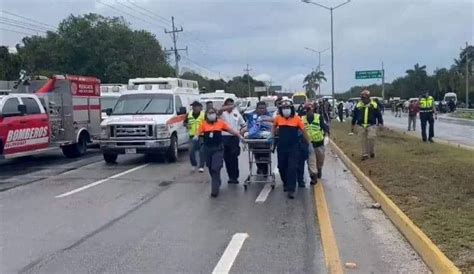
pixel 465 110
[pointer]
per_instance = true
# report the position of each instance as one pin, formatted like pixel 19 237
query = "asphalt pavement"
pixel 84 216
pixel 444 130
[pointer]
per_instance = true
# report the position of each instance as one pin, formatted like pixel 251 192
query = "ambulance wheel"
pixel 172 153
pixel 110 158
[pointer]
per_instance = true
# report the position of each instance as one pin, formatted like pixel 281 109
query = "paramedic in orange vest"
pixel 211 132
pixel 193 121
pixel 287 124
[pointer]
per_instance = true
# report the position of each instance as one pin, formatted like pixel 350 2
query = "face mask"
pixel 211 117
pixel 286 112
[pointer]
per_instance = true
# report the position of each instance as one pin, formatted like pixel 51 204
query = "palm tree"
pixel 312 82
pixel 417 77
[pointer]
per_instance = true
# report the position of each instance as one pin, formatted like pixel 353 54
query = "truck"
pixel 148 119
pixel 62 112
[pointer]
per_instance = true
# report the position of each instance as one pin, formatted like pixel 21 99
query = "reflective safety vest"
pixel 194 124
pixel 314 129
pixel 364 109
pixel 426 104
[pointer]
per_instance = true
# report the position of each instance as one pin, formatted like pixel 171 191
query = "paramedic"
pixel 193 121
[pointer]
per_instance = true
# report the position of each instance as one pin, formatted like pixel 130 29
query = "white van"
pixel 218 98
pixel 148 118
pixel 448 96
pixel 109 94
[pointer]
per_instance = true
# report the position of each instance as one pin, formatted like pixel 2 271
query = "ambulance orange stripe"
pixel 176 119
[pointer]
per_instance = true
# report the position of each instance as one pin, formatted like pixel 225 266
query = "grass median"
pixel 431 183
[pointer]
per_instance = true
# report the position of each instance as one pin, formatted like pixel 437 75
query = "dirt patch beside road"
pixel 431 183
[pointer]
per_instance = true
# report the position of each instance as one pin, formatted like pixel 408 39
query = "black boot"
pixel 320 173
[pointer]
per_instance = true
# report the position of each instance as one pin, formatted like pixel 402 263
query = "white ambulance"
pixel 109 94
pixel 148 118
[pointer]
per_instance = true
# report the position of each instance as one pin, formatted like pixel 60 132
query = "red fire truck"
pixel 61 112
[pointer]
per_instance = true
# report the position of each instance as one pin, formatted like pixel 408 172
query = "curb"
pixel 431 254
pixel 437 140
pixel 459 121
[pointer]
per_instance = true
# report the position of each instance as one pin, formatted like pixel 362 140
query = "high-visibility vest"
pixel 426 103
pixel 314 129
pixel 194 124
pixel 365 110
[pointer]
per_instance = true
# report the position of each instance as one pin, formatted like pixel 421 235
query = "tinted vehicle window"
pixel 11 106
pixel 178 103
pixel 32 106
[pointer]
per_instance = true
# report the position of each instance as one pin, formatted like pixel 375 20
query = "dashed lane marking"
pixel 230 254
pixel 262 197
pixel 100 181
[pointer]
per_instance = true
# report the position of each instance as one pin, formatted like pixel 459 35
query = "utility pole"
pixel 319 64
pixel 383 83
pixel 175 49
pixel 467 76
pixel 248 70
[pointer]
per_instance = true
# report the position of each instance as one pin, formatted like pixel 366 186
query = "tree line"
pixel 104 47
pixel 418 79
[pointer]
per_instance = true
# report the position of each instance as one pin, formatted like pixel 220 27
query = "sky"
pixel 223 36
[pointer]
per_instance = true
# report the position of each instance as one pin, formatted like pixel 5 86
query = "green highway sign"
pixel 369 74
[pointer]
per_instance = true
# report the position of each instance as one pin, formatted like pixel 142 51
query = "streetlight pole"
pixel 319 63
pixel 331 9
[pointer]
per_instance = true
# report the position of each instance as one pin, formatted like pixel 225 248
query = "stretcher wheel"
pixel 273 186
pixel 245 187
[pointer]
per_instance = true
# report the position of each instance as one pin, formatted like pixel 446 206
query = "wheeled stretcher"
pixel 259 152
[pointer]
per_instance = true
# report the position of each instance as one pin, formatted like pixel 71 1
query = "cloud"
pixel 265 77
pixel 270 35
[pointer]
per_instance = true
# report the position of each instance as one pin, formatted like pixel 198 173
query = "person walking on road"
pixel 288 124
pixel 316 129
pixel 367 115
pixel 193 121
pixel 340 111
pixel 398 109
pixel 234 119
pixel 427 109
pixel 211 130
pixel 413 110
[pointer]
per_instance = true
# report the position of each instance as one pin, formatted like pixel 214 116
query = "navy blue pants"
pixel 427 117
pixel 231 156
pixel 287 166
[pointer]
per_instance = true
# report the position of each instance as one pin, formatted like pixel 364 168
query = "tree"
pixel 312 82
pixel 94 45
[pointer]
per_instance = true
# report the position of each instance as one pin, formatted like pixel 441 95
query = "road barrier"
pixel 431 254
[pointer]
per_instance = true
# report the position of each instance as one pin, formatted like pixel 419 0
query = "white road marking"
pixel 262 197
pixel 230 254
pixel 100 181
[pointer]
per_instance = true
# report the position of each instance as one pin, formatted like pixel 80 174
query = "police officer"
pixel 193 121
pixel 367 115
pixel 317 129
pixel 211 131
pixel 288 124
pixel 427 109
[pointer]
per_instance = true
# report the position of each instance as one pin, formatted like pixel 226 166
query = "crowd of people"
pixel 297 134
pixel 216 135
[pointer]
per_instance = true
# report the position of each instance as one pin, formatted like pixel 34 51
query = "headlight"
pixel 104 132
pixel 162 131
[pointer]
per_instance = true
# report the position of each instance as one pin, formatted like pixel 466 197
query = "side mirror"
pixel 181 111
pixel 22 109
pixel 108 111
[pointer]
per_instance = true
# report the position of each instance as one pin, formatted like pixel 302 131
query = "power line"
pixel 139 12
pixel 16 31
pixel 28 19
pixel 159 17
pixel 22 27
pixel 175 49
pixel 121 11
pixel 201 66
pixel 13 21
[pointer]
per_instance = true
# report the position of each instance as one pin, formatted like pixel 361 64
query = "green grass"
pixel 463 115
pixel 432 183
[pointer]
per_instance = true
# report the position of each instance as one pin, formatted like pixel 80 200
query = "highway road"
pixel 83 216
pixel 444 130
